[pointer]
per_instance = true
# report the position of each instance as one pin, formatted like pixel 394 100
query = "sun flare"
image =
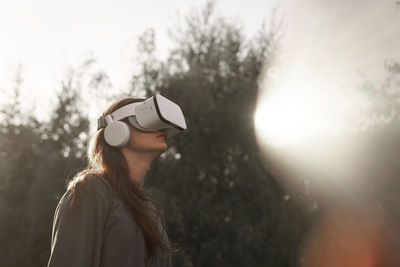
pixel 289 113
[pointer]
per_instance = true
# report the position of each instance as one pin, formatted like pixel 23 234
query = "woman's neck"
pixel 138 164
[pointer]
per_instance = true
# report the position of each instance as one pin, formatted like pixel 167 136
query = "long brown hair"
pixel 108 162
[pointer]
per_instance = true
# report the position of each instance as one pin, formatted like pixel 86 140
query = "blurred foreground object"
pixel 348 237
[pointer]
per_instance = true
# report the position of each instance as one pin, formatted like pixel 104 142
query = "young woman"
pixel 105 218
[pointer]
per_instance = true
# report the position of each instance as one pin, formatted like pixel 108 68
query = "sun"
pixel 283 119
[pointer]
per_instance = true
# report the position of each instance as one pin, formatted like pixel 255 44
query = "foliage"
pixel 221 206
pixel 35 159
pixel 384 97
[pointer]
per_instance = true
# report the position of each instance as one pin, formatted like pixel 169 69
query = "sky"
pixel 312 100
pixel 326 46
pixel 328 50
pixel 49 36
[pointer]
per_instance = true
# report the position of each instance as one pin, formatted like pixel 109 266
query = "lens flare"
pixel 327 51
pixel 311 101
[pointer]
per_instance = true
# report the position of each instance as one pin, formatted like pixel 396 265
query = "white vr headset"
pixel 151 115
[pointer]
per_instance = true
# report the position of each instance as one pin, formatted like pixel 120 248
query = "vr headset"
pixel 151 115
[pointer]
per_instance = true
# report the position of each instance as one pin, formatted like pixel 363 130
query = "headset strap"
pixel 101 123
pixel 119 114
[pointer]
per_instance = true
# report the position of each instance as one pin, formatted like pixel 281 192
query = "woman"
pixel 105 218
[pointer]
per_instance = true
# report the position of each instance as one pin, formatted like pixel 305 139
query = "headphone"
pixel 151 115
pixel 116 132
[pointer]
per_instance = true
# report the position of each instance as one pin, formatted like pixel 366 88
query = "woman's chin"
pixel 164 147
pixel 161 148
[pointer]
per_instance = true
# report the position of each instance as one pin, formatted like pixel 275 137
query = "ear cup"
pixel 117 134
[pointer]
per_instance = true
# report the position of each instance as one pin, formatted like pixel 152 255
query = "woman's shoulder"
pixel 89 184
pixel 98 183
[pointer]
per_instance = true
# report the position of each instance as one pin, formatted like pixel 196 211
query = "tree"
pixel 222 208
pixel 383 97
pixel 36 158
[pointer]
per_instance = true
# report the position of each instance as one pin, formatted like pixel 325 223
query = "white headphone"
pixel 117 132
pixel 151 115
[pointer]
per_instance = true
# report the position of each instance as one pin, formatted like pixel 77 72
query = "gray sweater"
pixel 99 232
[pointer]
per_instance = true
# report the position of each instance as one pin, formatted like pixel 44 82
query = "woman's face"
pixel 147 142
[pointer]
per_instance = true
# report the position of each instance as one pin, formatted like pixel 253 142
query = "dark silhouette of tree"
pixel 384 97
pixel 221 206
pixel 36 159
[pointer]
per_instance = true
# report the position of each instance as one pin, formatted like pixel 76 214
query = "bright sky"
pixel 314 93
pixel 328 50
pixel 49 36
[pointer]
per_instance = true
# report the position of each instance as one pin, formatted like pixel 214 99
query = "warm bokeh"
pixel 350 237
